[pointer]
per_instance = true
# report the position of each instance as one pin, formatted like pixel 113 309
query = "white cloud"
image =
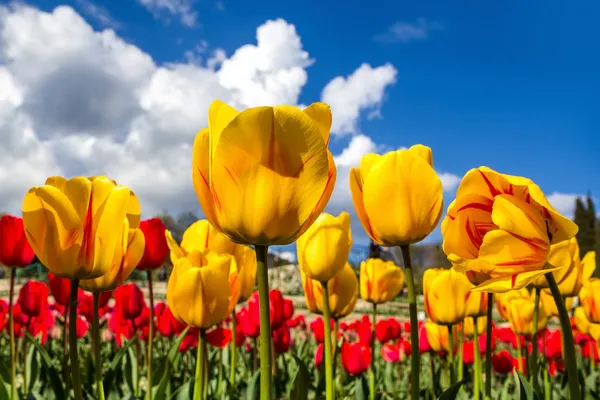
pixel 289 256
pixel 564 202
pixel 98 13
pixel 364 89
pixel 409 31
pixel 449 181
pixel 182 9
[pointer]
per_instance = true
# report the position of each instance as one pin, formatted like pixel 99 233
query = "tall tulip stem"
pixel 199 380
pixel 477 366
pixel 461 345
pixel 233 360
pixel 520 354
pixel 488 348
pixel 329 389
pixel 414 327
pixel 65 339
pixel 265 321
pixel 13 364
pixel 73 341
pixel 96 344
pixel 569 344
pixel 533 363
pixel 372 372
pixel 451 355
pixel 150 334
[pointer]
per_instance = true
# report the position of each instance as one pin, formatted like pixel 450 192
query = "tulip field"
pixel 517 316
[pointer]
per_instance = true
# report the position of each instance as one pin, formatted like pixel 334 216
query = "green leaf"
pixel 452 392
pixel 131 370
pixel 253 391
pixel 185 392
pixel 33 367
pixel 300 382
pixel 161 390
pixel 361 390
pixel 524 388
pixel 4 371
pixel 4 393
pixel 114 367
pixel 49 368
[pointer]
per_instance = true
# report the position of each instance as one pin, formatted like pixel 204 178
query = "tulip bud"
pixel 15 250
pixel 380 281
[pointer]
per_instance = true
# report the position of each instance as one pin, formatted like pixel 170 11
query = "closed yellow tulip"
pixel 380 281
pixel 585 326
pixel 128 253
pixel 503 226
pixel 589 296
pixel 520 316
pixel 437 336
pixel 397 196
pixel 343 293
pixel 198 291
pixel 468 325
pixel 477 304
pixel 324 248
pixel 245 258
pixel 549 305
pixel 74 226
pixel 503 300
pixel 264 175
pixel 445 292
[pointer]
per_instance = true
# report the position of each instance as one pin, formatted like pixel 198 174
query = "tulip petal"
pixel 220 115
pixel 520 218
pixel 56 181
pixel 589 265
pixel 424 152
pixel 176 251
pixel 356 189
pixel 201 174
pixel 134 211
pixel 511 254
pixel 202 235
pixel 321 115
pixel 511 282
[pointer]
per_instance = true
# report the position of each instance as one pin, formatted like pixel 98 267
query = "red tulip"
pixel 15 250
pixel 86 304
pixel 129 301
pixel 424 345
pixel 468 353
pixel 167 324
pixel 60 288
pixel 550 344
pixel 240 337
pixel 483 342
pixel 288 309
pixel 404 348
pixel 502 362
pixel 218 337
pixel 3 314
pixel 277 317
pixel 556 366
pixel 581 338
pixel 33 298
pixel 82 327
pixel 281 339
pixel 590 349
pixel 386 330
pixel 319 355
pixel 297 322
pixel 390 353
pixel 190 340
pixel 363 328
pixel 317 326
pixel 356 357
pixel 518 367
pixel 247 324
pixel 156 250
pixel 121 327
pixel 505 335
pixel 40 325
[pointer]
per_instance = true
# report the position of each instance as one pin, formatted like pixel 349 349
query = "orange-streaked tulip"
pixel 585 326
pixel 128 254
pixel 520 316
pixel 75 226
pixel 397 196
pixel 589 295
pixel 549 305
pixel 502 225
pixel 477 304
pixel 380 281
pixel 343 293
pixel 198 291
pixel 437 336
pixel 445 292
pixel 468 325
pixel 324 248
pixel 263 175
pixel 503 300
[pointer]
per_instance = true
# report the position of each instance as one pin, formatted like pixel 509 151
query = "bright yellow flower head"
pixel 477 304
pixel 503 299
pixel 343 293
pixel 549 305
pixel 397 196
pixel 245 258
pixel 264 175
pixel 437 336
pixel 380 281
pixel 198 291
pixel 502 225
pixel 445 293
pixel 324 248
pixel 468 326
pixel 520 316
pixel 585 326
pixel 75 226
pixel 128 253
pixel 589 296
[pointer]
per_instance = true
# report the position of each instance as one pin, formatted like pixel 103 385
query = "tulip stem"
pixel 477 367
pixel 73 341
pixel 24 350
pixel 520 354
pixel 199 380
pixel 372 372
pixel 66 345
pixel 569 344
pixel 488 347
pixel 233 360
pixel 13 364
pixel 150 334
pixel 265 322
pixel 533 363
pixel 546 385
pixel 329 389
pixel 96 344
pixel 414 327
pixel 461 341
pixel 451 355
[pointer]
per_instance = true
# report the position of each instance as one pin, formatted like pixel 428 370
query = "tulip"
pixel 356 357
pixel 520 316
pixel 317 326
pixel 276 309
pixel 504 299
pixel 380 281
pixel 129 301
pixel 33 298
pixel 342 289
pixel 502 362
pixel 390 353
pixel 281 339
pixel 156 249
pixel 589 295
pixel 86 304
pixel 167 325
pixel 387 330
pixel 218 337
pixel 476 305
pixel 585 326
pixel 472 329
pixel 445 292
pixel 247 324
pixel 438 337
pixel 549 304
pixel 324 248
pixel 82 327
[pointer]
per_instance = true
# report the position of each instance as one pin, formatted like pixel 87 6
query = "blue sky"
pixel 512 85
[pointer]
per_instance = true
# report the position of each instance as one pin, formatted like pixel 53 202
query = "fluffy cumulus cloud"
pixel 564 202
pixel 166 9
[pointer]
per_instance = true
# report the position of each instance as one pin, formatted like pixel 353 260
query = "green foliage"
pixel 588 236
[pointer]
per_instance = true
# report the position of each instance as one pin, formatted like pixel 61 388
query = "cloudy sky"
pixel 121 87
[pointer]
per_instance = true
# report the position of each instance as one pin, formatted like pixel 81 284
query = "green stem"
pixel 461 341
pixel 199 379
pixel 329 390
pixel 569 344
pixel 233 359
pixel 96 345
pixel 414 327
pixel 533 363
pixel 547 393
pixel 150 335
pixel 66 346
pixel 138 353
pixel 372 372
pixel 73 341
pixel 488 348
pixel 451 355
pixel 519 354
pixel 24 350
pixel 477 367
pixel 220 374
pixel 13 363
pixel 265 323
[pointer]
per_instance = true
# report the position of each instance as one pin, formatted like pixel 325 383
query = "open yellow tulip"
pixel 264 175
pixel 520 316
pixel 75 226
pixel 504 299
pixel 343 293
pixel 503 226
pixel 445 293
pixel 589 295
pixel 324 248
pixel 585 326
pixel 437 336
pixel 397 196
pixel 380 281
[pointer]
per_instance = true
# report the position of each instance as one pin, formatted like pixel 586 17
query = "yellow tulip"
pixel 585 326
pixel 75 226
pixel 477 304
pixel 264 175
pixel 245 258
pixel 324 248
pixel 343 293
pixel 520 316
pixel 503 300
pixel 380 281
pixel 397 196
pixel 128 254
pixel 437 336
pixel 468 325
pixel 549 305
pixel 589 295
pixel 503 226
pixel 198 291
pixel 445 292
